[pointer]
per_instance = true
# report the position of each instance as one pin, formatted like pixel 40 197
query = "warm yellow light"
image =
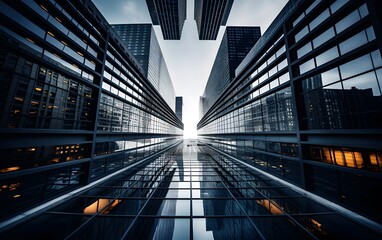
pixel 373 159
pixel 80 53
pixel 111 206
pixel 270 206
pixel 17 196
pixel 10 169
pixel 96 206
pixel 38 89
pixel 339 157
pixel 51 34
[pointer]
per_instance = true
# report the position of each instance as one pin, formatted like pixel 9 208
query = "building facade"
pixel 75 107
pixel 170 15
pixel 305 105
pixel 142 42
pixel 235 44
pixel 210 15
pixel 179 108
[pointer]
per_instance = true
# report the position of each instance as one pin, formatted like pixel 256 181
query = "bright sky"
pixel 190 60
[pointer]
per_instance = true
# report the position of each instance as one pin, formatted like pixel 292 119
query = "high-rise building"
pixel 74 105
pixel 305 106
pixel 142 42
pixel 102 158
pixel 170 15
pixel 235 44
pixel 210 15
pixel 179 108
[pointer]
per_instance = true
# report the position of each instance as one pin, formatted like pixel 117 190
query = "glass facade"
pixel 170 15
pixel 305 105
pixel 142 42
pixel 190 192
pixel 236 43
pixel 74 105
pixel 210 15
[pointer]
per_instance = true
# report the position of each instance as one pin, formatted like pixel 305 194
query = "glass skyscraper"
pixel 210 15
pixel 170 15
pixel 179 107
pixel 74 105
pixel 305 105
pixel 290 149
pixel 142 42
pixel 236 43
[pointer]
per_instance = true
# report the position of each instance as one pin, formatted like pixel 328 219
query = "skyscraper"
pixel 179 108
pixel 75 107
pixel 236 43
pixel 170 15
pixel 210 15
pixel 142 42
pixel 306 104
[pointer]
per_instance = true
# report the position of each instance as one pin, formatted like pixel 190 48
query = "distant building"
pixel 210 15
pixel 236 43
pixel 179 108
pixel 142 42
pixel 170 15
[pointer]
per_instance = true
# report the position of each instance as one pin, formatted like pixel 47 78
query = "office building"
pixel 145 184
pixel 305 105
pixel 142 42
pixel 235 44
pixel 170 15
pixel 179 107
pixel 210 15
pixel 75 107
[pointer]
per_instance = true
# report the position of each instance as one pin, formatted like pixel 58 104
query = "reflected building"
pixel 210 15
pixel 305 103
pixel 170 15
pixel 179 107
pixel 142 42
pixel 236 43
pixel 75 106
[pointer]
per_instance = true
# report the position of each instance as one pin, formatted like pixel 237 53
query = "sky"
pixel 189 60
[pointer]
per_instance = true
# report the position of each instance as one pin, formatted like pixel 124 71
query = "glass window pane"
pixel 324 15
pixel 348 21
pixel 366 81
pixel 327 56
pixel 356 66
pixel 337 5
pixel 325 36
pixel 301 34
pixel 330 76
pixel 353 42
pixel 377 60
pixel 370 33
pixel 304 50
pixel 307 66
pixel 363 10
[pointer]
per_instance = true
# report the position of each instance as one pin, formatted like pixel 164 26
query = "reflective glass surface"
pixel 190 192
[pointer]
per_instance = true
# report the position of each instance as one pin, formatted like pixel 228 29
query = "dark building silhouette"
pixel 236 43
pixel 179 107
pixel 170 15
pixel 142 42
pixel 210 15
